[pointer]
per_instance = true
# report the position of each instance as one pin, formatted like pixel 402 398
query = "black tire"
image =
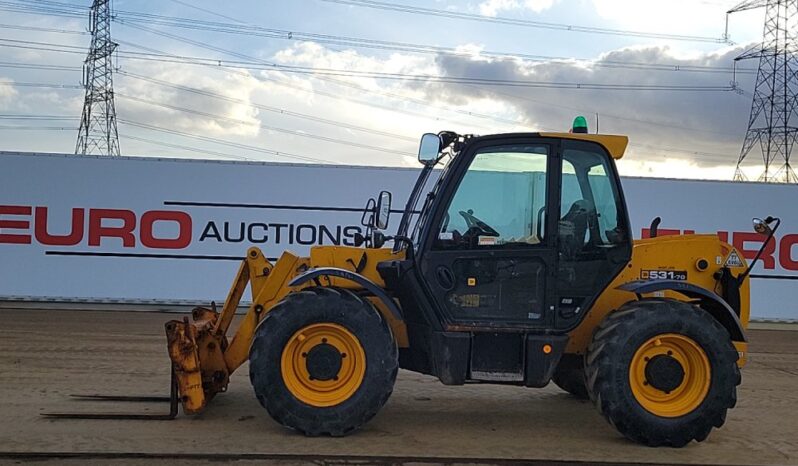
pixel 608 364
pixel 570 375
pixel 323 305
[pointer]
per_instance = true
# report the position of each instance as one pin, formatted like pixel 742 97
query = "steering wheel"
pixel 474 222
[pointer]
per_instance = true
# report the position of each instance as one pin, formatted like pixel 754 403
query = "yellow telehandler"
pixel 515 266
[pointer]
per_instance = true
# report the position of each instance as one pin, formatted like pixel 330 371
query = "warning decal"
pixel 734 260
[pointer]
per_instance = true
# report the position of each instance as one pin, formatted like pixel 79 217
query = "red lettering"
pixel 97 231
pixel 75 234
pixel 767 255
pixel 661 232
pixel 149 240
pixel 14 224
pixel 785 252
pixel 724 236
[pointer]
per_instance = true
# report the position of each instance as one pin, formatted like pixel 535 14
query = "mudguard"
pixel 367 284
pixel 711 302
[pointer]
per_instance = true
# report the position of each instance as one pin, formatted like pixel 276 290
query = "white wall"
pixel 200 267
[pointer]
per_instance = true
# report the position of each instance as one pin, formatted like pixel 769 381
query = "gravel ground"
pixel 46 355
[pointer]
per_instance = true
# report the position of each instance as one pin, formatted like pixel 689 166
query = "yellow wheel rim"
pixel 341 374
pixel 690 392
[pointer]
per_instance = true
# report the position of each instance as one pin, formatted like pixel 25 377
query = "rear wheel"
pixel 663 372
pixel 570 375
pixel 323 362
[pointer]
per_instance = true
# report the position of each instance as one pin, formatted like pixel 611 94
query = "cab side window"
pixel 589 202
pixel 500 201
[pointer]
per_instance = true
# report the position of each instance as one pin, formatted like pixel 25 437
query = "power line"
pixel 42 29
pixel 261 65
pixel 638 120
pixel 319 91
pixel 394 96
pixel 252 30
pixel 224 142
pixel 189 5
pixel 185 148
pixel 678 150
pixel 220 118
pixel 48 5
pixel 429 78
pixel 43 46
pixel 259 106
pixel 38 66
pixel 66 8
pixel 514 122
pixel 603 114
pixel 39 128
pixel 521 22
pixel 656 148
pixel 13 116
pixel 39 10
pixel 317 71
pixel 339 97
pixel 210 94
pixel 40 85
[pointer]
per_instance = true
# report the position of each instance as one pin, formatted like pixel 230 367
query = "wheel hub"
pixel 664 373
pixel 670 375
pixel 323 362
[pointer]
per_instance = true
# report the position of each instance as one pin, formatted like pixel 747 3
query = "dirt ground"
pixel 46 355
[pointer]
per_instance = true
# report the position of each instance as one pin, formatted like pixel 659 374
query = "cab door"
pixel 489 254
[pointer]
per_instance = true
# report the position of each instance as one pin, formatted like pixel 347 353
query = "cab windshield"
pixel 424 216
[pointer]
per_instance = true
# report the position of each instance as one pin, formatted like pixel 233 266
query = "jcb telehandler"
pixel 518 267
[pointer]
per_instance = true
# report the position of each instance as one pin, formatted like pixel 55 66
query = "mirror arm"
pixel 761 249
pixel 411 253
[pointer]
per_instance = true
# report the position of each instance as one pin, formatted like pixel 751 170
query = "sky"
pixel 284 81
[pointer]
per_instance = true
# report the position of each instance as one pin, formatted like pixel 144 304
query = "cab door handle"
pixel 445 277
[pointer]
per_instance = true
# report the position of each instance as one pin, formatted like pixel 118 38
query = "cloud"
pixel 239 117
pixel 704 127
pixel 416 112
pixel 494 7
pixel 314 55
pixel 672 133
pixel 7 92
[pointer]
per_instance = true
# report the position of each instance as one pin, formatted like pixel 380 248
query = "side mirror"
pixel 429 148
pixel 383 210
pixel 761 226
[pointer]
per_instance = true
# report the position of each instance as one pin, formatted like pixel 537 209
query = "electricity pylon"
pixel 98 133
pixel 773 119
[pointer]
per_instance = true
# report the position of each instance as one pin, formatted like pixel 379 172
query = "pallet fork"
pixel 202 358
pixel 172 399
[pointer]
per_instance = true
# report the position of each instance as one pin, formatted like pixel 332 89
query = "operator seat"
pixel 573 227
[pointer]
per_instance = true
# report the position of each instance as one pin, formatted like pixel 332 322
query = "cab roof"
pixel 615 145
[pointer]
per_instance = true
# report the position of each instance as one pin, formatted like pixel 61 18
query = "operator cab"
pixel 519 235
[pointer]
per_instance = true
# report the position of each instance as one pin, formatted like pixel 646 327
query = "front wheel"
pixel 662 372
pixel 323 362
